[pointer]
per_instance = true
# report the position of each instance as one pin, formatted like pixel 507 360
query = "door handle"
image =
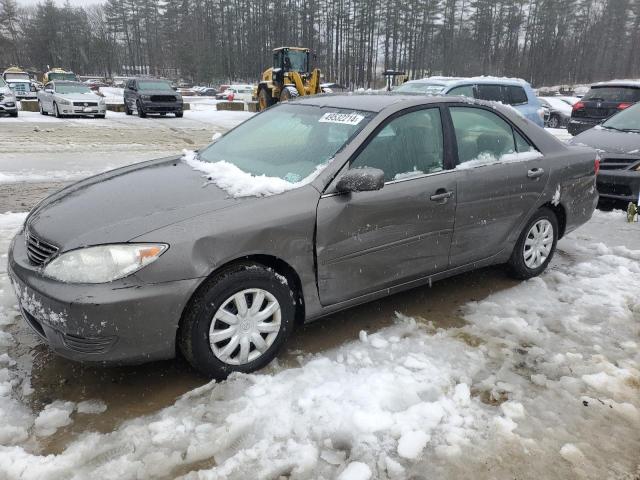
pixel 535 173
pixel 441 195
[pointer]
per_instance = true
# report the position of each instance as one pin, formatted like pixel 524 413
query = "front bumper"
pixel 8 107
pixel 620 185
pixel 80 110
pixel 123 322
pixel 162 107
pixel 579 125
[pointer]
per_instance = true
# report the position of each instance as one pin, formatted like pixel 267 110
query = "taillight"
pixel 623 105
pixel 578 106
pixel 596 164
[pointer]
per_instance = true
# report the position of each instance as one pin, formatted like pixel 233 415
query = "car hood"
pixel 80 97
pixel 610 141
pixel 122 204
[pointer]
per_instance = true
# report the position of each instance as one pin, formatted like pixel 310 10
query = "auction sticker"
pixel 344 118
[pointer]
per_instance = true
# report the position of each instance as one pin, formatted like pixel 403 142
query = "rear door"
pixel 499 176
pixel 369 241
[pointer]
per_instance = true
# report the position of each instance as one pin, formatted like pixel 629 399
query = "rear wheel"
pixel 42 111
pixel 237 321
pixel 265 100
pixel 101 116
pixel 536 245
pixel 179 114
pixel 13 114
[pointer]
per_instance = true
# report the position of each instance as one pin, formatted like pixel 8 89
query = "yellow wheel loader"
pixel 290 77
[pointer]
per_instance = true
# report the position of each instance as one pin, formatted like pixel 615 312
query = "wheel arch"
pixel 561 215
pixel 279 266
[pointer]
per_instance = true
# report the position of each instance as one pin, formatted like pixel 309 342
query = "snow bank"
pixel 238 183
pixel 486 158
pixel 542 382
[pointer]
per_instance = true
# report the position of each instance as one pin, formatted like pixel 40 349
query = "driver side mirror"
pixel 361 180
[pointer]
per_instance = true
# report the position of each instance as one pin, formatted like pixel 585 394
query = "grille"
pixel 163 98
pixel 85 104
pixel 87 344
pixel 616 163
pixel 39 251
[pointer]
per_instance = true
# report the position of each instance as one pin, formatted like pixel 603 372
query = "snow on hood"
pixel 486 158
pixel 239 183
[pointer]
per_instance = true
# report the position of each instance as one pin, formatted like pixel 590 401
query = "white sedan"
pixel 62 98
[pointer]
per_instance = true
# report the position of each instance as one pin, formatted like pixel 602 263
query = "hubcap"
pixel 537 245
pixel 245 326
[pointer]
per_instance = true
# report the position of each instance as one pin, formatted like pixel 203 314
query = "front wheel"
pixel 141 112
pixel 56 111
pixel 536 245
pixel 265 100
pixel 237 321
pixel 42 110
pixel 179 114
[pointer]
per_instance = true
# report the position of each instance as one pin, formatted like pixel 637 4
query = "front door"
pixel 500 177
pixel 369 241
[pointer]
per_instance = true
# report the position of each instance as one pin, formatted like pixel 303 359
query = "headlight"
pixel 62 101
pixel 103 263
pixel 146 97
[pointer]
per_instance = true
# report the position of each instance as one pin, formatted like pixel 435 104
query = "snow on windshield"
pixel 238 183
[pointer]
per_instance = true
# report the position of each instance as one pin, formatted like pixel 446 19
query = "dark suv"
pixel 602 101
pixel 151 95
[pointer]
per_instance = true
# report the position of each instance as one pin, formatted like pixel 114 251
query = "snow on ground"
pixel 542 381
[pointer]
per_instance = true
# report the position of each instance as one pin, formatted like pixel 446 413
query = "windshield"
pixel 627 120
pixel 61 76
pixel 420 87
pixel 613 94
pixel 17 76
pixel 72 88
pixel 288 141
pixel 298 60
pixel 155 85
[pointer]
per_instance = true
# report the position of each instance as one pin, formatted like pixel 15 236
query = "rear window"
pixel 517 95
pixel 493 93
pixel 613 94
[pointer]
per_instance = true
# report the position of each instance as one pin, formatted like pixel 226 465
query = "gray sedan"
pixel 308 208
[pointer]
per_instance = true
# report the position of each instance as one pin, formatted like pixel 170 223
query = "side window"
pixel 493 93
pixel 522 145
pixel 481 135
pixel 462 90
pixel 408 146
pixel 517 95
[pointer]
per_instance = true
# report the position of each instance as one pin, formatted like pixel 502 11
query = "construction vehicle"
pixel 59 74
pixel 290 77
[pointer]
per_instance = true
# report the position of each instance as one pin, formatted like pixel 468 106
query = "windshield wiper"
pixel 623 130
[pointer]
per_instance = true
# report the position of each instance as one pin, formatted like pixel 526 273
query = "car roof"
pixel 451 81
pixel 68 82
pixel 371 101
pixel 618 83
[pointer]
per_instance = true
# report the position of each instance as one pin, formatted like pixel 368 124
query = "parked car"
pixel 239 92
pixel 559 111
pixel 510 91
pixel 63 97
pixel 618 141
pixel 247 237
pixel 602 101
pixel 220 95
pixel 8 101
pixel 152 95
pixel 207 92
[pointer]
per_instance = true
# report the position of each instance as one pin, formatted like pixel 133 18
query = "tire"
pixel 101 116
pixel 265 100
pixel 521 264
pixel 13 114
pixel 179 114
pixel 141 112
pixel 288 93
pixel 56 111
pixel 127 110
pixel 220 291
pixel 554 122
pixel 42 112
